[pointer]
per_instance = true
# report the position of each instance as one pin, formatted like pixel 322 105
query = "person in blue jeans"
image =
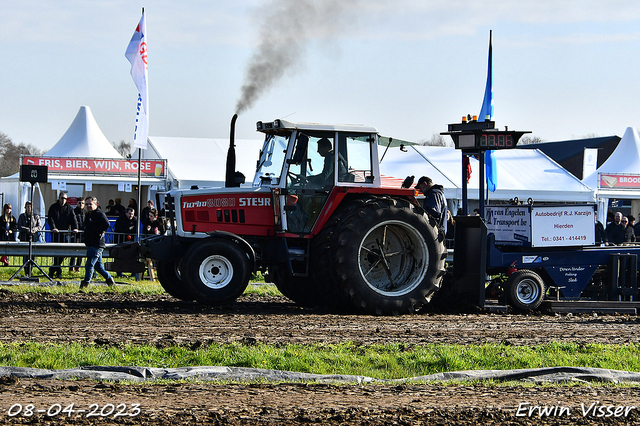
pixel 95 225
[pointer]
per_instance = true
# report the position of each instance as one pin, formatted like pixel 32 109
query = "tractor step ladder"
pixel 298 259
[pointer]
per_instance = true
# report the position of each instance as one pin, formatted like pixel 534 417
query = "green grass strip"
pixel 134 287
pixel 7 272
pixel 391 361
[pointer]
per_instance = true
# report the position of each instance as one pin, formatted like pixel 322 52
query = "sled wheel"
pixel 525 290
pixel 215 272
pixel 388 257
pixel 169 277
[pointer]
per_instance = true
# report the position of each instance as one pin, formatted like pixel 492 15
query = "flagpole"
pixel 139 187
pixel 139 190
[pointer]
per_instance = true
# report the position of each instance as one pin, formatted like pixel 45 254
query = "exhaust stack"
pixel 233 179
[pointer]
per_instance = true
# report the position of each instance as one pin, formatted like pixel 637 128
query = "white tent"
pixel 83 139
pixel 625 160
pixel 521 173
pixel 202 161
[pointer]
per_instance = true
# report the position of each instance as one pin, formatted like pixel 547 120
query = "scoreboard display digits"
pixel 488 140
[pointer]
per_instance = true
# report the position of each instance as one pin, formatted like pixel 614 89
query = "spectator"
pixel 25 224
pixel 126 226
pixel 622 233
pixel 9 225
pixel 118 209
pixel 629 235
pixel 636 227
pixel 61 219
pixel 632 223
pixel 76 262
pixel 601 234
pixel 144 215
pixel 632 220
pixel 29 226
pixel 435 203
pixel 95 225
pixel 613 227
pixel 154 226
pixel 110 205
pixel 134 205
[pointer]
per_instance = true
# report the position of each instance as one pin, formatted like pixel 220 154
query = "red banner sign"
pixel 94 166
pixel 619 181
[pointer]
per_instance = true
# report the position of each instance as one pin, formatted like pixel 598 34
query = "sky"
pixel 561 69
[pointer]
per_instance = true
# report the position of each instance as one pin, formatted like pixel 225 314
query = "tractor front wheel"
pixel 216 272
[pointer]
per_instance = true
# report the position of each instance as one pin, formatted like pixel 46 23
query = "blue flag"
pixel 486 113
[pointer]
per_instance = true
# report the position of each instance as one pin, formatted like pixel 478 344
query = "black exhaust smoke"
pixel 283 45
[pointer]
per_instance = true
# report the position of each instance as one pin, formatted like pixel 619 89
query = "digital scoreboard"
pixel 482 136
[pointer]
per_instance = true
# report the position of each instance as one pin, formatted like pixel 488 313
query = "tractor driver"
pixel 325 177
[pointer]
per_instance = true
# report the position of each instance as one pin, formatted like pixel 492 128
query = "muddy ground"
pixel 111 319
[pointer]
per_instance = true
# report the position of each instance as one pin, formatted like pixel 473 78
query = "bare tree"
pixel 590 136
pixel 124 148
pixel 436 140
pixel 528 140
pixel 10 154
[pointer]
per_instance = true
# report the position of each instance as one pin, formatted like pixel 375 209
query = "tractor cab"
pixel 303 163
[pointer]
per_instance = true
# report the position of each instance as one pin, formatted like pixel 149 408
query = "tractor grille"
pixel 221 215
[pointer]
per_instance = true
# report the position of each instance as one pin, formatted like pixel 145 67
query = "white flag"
pixel 137 54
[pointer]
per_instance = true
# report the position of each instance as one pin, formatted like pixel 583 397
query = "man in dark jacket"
pixel 61 219
pixel 144 214
pixel 126 226
pixel 435 202
pixel 118 209
pixel 622 233
pixel 29 226
pixel 95 225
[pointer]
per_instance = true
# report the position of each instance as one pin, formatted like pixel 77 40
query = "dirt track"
pixel 110 319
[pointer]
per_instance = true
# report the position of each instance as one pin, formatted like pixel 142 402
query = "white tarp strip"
pixel 535 375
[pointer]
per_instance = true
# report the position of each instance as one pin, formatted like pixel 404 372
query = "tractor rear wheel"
pixel 301 290
pixel 169 277
pixel 388 257
pixel 215 272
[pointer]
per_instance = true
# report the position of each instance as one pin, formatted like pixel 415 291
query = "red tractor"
pixel 316 221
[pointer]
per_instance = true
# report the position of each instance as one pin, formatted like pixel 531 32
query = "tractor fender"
pixel 241 242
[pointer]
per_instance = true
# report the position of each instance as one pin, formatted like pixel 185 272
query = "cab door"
pixel 309 180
